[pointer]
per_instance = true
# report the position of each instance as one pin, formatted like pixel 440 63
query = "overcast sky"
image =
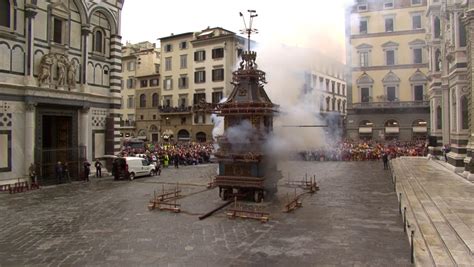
pixel 303 23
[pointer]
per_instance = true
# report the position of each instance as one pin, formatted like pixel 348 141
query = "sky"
pixel 300 23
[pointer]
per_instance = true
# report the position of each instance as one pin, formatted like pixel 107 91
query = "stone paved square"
pixel 352 220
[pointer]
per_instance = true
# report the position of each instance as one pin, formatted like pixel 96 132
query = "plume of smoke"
pixel 240 136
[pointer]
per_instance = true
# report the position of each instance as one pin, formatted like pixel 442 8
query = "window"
pixel 183 61
pixel 364 94
pixel 363 26
pixel 168 63
pixel 157 68
pixel 416 21
pixel 389 24
pixel 130 83
pixel 217 97
pixel 200 76
pixel 418 90
pixel 417 55
pixel 218 53
pixel 362 5
pixel 439 116
pixel 154 82
pixel 154 100
pixel 200 55
pixel 437 27
pixel 464 112
pixel 391 96
pixel 5 10
pixel 462 33
pixel 168 48
pixel 57 31
pixel 168 83
pixel 415 2
pixel 364 59
pixel 217 75
pixel 343 90
pixel 182 102
pixel 99 41
pixel 131 65
pixel 183 82
pixel 167 102
pixel 198 97
pixel 130 103
pixel 143 83
pixel 142 100
pixel 390 57
pixel 388 4
pixel 183 45
pixel 183 120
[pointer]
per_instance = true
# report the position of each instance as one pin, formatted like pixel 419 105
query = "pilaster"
pixel 115 85
pixel 29 128
pixel 85 32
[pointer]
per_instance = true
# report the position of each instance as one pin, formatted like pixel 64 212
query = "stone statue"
pixel 62 68
pixel 71 75
pixel 45 69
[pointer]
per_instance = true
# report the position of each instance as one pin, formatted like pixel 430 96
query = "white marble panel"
pixel 99 145
pixel 3 151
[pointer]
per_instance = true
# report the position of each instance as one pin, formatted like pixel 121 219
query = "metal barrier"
pixel 47 159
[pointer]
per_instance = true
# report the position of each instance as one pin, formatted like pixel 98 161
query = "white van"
pixel 131 167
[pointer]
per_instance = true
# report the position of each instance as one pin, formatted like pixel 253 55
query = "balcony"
pixel 175 110
pixel 392 104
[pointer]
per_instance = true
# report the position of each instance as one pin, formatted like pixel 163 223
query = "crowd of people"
pixel 188 153
pixel 347 150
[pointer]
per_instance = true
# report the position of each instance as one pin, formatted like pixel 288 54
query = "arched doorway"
pixel 183 135
pixel 201 137
pixel 365 130
pixel 420 129
pixel 392 129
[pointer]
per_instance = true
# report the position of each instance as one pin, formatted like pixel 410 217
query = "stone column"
pixel 115 86
pixel 445 106
pixel 30 13
pixel 29 131
pixel 85 31
pixel 85 132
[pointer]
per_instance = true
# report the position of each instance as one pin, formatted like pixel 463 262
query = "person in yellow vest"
pixel 166 160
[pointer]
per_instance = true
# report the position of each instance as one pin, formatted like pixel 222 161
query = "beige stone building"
pixel 140 91
pixel 195 67
pixel 388 62
pixel 59 85
pixel 328 86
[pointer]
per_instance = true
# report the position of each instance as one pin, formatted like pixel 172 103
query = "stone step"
pixel 446 239
pixel 453 243
pixel 425 229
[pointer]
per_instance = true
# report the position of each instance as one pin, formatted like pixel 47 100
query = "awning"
pixel 420 129
pixel 392 130
pixel 365 130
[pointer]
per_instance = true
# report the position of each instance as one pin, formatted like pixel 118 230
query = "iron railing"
pixel 47 159
pixel 391 104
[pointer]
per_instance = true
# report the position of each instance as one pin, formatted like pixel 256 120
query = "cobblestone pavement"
pixel 352 220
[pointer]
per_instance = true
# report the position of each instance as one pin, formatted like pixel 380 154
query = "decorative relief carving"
pixel 66 71
pixel 5 120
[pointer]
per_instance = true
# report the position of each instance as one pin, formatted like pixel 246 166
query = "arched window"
pixel 5 10
pixel 437 27
pixel 439 124
pixel 201 137
pixel 183 135
pixel 99 41
pixel 391 123
pixel 464 112
pixel 142 100
pixel 154 100
pixel 462 33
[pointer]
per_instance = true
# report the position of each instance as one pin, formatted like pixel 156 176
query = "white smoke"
pixel 241 134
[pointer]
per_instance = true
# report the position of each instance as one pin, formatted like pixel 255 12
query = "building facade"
pixel 196 68
pixel 388 62
pixel 327 87
pixel 59 85
pixel 140 91
pixel 449 34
